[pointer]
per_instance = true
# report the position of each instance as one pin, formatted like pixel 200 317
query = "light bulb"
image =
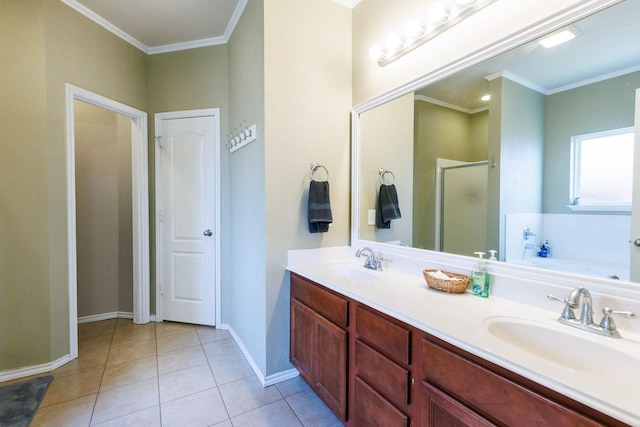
pixel 393 42
pixel 375 52
pixel 412 29
pixel 437 12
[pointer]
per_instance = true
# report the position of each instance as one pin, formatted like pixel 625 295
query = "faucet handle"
pixel 607 322
pixel 567 313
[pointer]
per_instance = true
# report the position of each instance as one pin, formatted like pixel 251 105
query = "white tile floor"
pixel 170 374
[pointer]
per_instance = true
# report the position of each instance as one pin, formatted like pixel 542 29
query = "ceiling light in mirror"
pixel 485 98
pixel 559 37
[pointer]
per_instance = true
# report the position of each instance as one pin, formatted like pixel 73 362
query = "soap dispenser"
pixel 544 252
pixel 480 277
pixel 493 255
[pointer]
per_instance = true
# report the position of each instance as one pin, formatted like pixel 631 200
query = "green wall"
pixel 184 80
pixel 446 133
pixel 46 44
pixel 25 337
pixel 597 107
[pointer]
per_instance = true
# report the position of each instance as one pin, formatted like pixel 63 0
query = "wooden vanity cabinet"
pixel 319 341
pixel 374 370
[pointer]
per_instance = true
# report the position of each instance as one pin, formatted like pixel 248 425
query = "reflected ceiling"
pixel 593 54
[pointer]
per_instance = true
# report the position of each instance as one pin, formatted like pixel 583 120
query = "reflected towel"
pixel 388 207
pixel 319 210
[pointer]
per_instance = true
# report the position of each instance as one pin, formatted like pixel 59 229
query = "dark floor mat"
pixel 19 401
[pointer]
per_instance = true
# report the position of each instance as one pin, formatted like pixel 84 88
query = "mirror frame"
pixel 526 35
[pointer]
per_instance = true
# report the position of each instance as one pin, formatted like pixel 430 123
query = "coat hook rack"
pixel 241 136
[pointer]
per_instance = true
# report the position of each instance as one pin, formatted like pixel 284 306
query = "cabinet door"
pixel 441 410
pixel 302 339
pixel 330 365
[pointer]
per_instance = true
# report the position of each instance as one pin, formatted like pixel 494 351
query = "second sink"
pixel 566 348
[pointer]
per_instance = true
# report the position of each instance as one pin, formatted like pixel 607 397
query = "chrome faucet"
pixel 372 262
pixel 586 316
pixel 606 327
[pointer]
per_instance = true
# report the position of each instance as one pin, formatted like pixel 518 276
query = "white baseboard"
pixel 281 376
pixel 28 371
pixel 265 380
pixel 105 316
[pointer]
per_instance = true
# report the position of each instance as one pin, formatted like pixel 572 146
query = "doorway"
pixel 187 155
pixel 139 206
pixel 103 213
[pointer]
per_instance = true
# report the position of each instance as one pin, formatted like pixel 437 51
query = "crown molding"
pixel 83 10
pixel 212 41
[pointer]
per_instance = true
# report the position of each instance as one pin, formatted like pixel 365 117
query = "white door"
pixel 187 218
pixel 635 208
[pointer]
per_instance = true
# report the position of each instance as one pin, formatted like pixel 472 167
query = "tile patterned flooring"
pixel 170 374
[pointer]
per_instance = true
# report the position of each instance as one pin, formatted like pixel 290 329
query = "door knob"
pixel 208 233
pixel 637 242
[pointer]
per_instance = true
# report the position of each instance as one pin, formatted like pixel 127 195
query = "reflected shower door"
pixel 464 209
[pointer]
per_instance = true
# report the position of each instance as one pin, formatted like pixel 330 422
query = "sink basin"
pixel 352 272
pixel 595 355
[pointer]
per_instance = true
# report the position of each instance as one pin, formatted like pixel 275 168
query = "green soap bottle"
pixel 480 277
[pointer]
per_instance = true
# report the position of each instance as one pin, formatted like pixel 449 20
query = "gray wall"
pixel 244 286
pixel 520 137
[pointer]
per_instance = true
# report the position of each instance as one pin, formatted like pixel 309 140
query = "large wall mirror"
pixel 471 174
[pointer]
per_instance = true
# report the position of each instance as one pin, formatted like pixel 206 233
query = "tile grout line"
pixel 214 378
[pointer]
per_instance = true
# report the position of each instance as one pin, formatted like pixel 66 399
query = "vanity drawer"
pixel 494 396
pixel 383 335
pixel 321 300
pixel 371 409
pixel 386 376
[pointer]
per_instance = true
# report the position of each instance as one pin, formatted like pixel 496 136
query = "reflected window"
pixel 602 170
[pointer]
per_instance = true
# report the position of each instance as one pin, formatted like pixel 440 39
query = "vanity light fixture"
pixel 559 37
pixel 440 18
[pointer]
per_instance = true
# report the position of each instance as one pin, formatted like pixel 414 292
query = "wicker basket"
pixel 452 286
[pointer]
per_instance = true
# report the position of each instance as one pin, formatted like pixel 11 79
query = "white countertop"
pixel 463 319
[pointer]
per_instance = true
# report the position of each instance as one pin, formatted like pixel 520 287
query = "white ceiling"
pixel 156 26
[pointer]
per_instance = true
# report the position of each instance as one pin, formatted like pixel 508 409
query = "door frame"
pixel 140 206
pixel 185 114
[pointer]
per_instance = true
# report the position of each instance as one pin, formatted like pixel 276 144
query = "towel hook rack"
pixel 383 172
pixel 315 166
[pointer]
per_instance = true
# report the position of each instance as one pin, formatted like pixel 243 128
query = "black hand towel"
pixel 319 211
pixel 388 207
